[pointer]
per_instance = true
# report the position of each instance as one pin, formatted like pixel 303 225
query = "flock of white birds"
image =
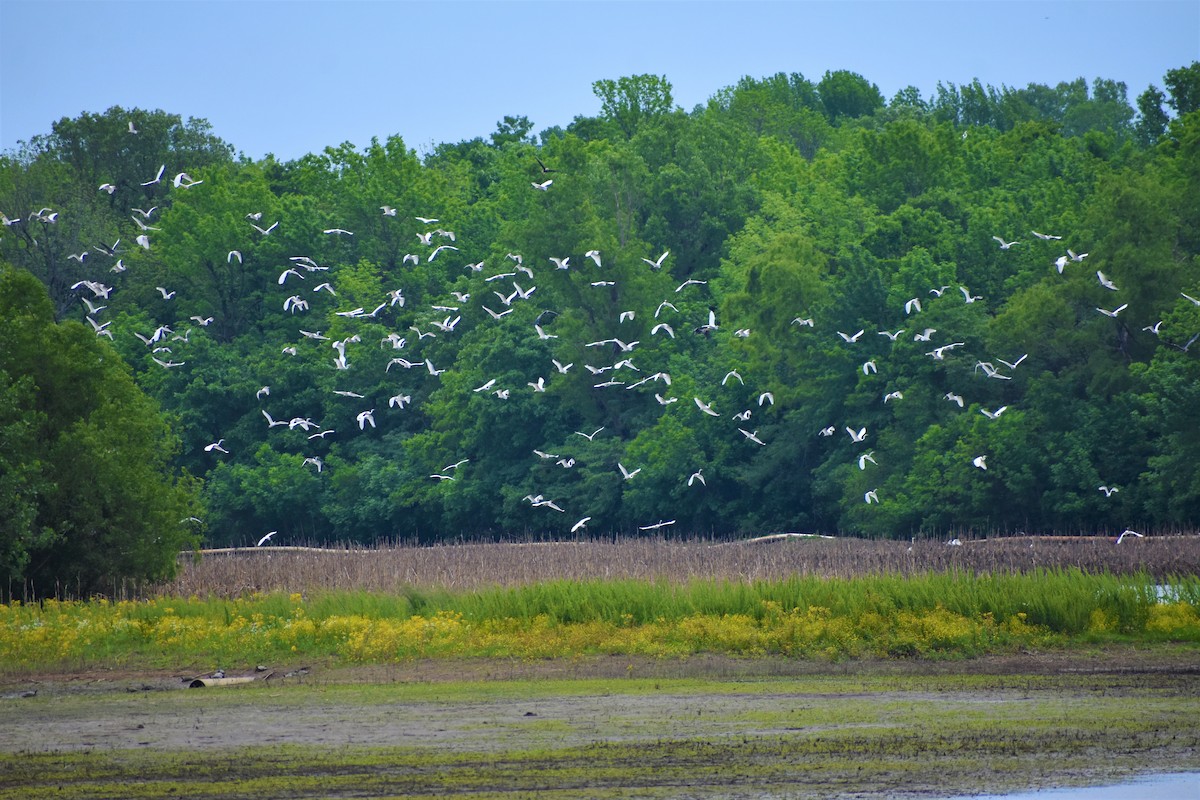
pixel 619 372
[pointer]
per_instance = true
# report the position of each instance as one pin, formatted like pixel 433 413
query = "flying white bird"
pixel 580 525
pixel 1013 365
pixel 1045 236
pixel 439 249
pixel 850 337
pixel 752 436
pixel 542 186
pixel 157 177
pixel 265 231
pixel 594 255
pixel 1105 282
pixel 869 367
pixel 1003 244
pixel 954 398
pixel 705 407
pixel 967 296
pixel 1109 490
pixel 858 435
pixel 100 328
pixel 266 539
pixel 993 414
pixel 165 294
pixel 1128 532
pixel 1114 312
pixel 696 476
pixel 184 181
pixel 657 263
pixel 865 457
pixel 91 307
pixel 829 431
pixel 871 497
pixel 590 436
pixel 271 421
pixel 364 417
pixel 911 306
pixel 627 474
pixel 980 461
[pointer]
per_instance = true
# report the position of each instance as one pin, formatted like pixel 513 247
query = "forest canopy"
pixel 798 307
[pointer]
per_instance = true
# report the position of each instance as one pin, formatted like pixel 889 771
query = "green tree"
pixel 97 465
pixel 634 99
pixel 846 94
pixel 1183 88
pixel 1152 120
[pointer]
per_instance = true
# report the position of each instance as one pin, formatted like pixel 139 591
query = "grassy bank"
pixel 940 615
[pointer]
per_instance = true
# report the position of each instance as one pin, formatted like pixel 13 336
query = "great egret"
pixel 658 262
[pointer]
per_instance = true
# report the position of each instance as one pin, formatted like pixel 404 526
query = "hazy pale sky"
pixel 291 78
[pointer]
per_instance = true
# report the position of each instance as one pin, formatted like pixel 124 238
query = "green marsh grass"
pixel 937 615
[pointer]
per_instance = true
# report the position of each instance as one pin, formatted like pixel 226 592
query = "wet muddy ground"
pixel 608 727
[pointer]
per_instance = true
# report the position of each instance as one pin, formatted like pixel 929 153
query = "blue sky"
pixel 291 78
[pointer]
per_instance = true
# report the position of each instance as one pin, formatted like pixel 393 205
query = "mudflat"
pixel 705 726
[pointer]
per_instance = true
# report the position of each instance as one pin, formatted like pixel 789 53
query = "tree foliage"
pixel 385 388
pixel 86 485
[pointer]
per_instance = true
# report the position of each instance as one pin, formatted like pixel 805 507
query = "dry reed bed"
pixel 465 567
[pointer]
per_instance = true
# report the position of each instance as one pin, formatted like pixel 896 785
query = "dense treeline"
pixel 739 248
